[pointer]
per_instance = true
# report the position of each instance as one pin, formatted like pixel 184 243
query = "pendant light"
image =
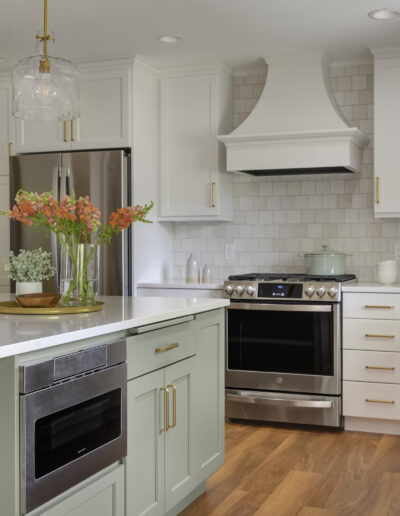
pixel 45 88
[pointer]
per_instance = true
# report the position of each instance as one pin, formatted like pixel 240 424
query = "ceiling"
pixel 237 32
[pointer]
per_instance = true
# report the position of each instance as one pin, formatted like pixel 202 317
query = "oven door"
pixel 284 347
pixel 70 431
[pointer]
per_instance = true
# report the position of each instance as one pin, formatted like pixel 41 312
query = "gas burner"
pixel 260 276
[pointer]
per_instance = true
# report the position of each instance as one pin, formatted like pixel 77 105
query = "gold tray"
pixel 12 307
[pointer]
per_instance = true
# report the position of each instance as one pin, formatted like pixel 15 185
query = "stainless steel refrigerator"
pixel 105 176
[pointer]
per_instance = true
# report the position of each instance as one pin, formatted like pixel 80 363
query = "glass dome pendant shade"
pixel 45 88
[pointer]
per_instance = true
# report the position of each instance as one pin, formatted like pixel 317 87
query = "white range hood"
pixel 296 126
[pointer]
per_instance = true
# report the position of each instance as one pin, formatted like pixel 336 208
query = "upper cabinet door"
pixel 6 126
pixel 35 136
pixel 386 136
pixel 194 184
pixel 104 121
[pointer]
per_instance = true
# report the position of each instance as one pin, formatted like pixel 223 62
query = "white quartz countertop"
pixel 181 284
pixel 359 286
pixel 24 333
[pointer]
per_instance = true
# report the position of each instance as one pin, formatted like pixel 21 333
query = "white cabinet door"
pixel 210 382
pixel 4 230
pixel 145 461
pixel 194 185
pixel 180 443
pixel 386 136
pixel 6 126
pixel 35 136
pixel 104 120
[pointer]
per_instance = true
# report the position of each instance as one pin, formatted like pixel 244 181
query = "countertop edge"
pixel 9 350
pixel 372 287
pixel 177 284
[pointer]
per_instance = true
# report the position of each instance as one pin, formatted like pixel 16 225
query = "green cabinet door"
pixel 105 497
pixel 210 382
pixel 179 439
pixel 145 461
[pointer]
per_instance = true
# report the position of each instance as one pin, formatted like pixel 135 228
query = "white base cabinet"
pixel 176 419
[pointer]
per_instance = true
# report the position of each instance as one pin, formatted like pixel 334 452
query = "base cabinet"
pixel 176 423
pixel 104 497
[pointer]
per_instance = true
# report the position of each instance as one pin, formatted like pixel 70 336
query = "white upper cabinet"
pixel 196 106
pixel 387 132
pixel 104 121
pixel 6 126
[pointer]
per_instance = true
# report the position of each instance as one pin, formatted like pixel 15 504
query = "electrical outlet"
pixel 397 252
pixel 229 251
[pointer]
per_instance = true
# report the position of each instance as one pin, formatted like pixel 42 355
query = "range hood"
pixel 296 126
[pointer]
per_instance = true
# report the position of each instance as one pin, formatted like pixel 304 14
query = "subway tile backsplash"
pixel 277 219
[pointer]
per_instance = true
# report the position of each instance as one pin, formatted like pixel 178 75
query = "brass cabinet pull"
pixel 213 195
pixel 72 131
pixel 377 190
pixel 372 336
pixel 380 307
pixel 379 401
pixel 167 348
pixel 10 148
pixel 380 367
pixel 65 131
pixel 166 409
pixel 172 386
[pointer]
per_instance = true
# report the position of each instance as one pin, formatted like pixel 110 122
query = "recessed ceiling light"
pixel 169 39
pixel 386 13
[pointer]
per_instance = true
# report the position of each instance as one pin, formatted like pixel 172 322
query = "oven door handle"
pixel 276 400
pixel 280 307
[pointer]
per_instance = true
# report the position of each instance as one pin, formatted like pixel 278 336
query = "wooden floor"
pixel 284 471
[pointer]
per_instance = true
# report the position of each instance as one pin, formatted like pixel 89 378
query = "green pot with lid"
pixel 325 262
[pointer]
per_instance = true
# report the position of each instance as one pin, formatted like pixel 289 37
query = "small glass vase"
pixel 79 274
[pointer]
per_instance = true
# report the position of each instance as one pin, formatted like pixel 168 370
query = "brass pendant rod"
pixel 45 29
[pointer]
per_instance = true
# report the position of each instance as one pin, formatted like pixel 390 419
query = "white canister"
pixel 192 270
pixel 387 271
pixel 28 287
pixel 207 275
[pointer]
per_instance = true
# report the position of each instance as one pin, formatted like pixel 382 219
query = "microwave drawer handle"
pixel 283 402
pixel 279 308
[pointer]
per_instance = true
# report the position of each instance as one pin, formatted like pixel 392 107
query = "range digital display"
pixel 280 290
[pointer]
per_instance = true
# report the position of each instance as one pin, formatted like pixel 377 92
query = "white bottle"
pixel 192 270
pixel 207 275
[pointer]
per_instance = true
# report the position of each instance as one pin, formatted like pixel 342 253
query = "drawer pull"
pixel 167 348
pixel 380 367
pixel 379 401
pixel 372 336
pixel 381 307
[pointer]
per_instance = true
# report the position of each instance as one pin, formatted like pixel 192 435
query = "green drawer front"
pixel 159 348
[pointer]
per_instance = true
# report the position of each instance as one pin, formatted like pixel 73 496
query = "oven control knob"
pixel 239 290
pixel 250 290
pixel 229 289
pixel 321 291
pixel 332 292
pixel 309 291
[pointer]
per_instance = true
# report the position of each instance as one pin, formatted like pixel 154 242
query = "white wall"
pixel 152 243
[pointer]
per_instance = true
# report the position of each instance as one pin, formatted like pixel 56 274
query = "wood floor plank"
pixel 290 495
pixel 331 474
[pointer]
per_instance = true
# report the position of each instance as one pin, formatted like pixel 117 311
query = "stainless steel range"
pixel 284 348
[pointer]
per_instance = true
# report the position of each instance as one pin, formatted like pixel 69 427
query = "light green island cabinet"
pixel 175 423
pixel 175 414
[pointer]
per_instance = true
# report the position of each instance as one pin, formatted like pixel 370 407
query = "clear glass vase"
pixel 79 274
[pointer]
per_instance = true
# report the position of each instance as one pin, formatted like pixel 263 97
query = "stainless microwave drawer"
pixel 159 348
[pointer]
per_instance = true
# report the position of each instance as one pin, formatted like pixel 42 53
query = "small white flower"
pixel 32 265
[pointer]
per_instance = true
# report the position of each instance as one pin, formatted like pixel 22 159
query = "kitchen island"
pixel 164 470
